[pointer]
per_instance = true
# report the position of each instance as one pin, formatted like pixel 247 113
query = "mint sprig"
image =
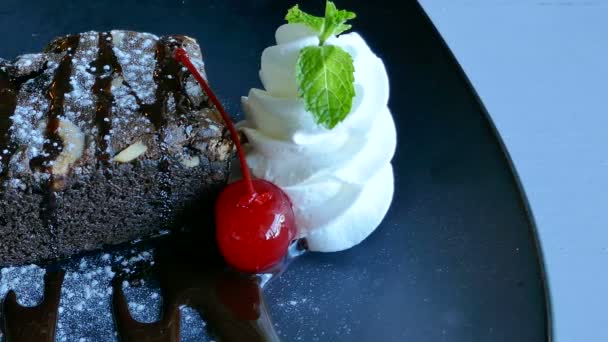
pixel 333 23
pixel 326 76
pixel 297 16
pixel 325 73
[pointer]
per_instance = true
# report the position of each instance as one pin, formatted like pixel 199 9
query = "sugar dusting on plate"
pixel 85 308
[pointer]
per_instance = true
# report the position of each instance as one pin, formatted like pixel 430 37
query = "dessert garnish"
pixel 254 218
pixel 321 129
pixel 325 73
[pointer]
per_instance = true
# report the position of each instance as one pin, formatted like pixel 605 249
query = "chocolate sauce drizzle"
pixel 56 95
pixel 230 302
pixel 191 273
pixel 53 144
pixel 106 66
pixel 9 89
pixel 33 324
pixel 169 78
pixel 8 103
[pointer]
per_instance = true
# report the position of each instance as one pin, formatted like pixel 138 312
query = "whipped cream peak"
pixel 340 180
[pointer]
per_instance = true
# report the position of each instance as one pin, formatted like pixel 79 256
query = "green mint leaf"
pixel 334 22
pixel 325 76
pixel 297 16
pixel 325 73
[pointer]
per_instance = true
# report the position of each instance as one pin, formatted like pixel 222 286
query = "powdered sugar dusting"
pixel 136 54
pixel 193 88
pixel 144 302
pixel 28 120
pixel 26 281
pixel 26 64
pixel 85 307
pixel 132 85
pixel 83 298
pixel 79 105
pixel 126 120
pixel 86 297
pixel 196 326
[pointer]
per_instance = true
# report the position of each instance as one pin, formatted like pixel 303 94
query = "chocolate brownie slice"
pixel 104 138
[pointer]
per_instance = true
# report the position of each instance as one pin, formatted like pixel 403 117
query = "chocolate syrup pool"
pixel 188 279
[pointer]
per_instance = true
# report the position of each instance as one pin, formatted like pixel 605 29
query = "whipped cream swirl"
pixel 340 180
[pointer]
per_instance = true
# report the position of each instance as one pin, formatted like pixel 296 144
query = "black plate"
pixel 455 259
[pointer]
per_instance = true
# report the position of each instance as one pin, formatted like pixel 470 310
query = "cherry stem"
pixel 182 56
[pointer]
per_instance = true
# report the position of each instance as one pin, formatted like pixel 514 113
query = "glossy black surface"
pixel 455 259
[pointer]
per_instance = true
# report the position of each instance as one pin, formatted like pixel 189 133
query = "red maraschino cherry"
pixel 254 218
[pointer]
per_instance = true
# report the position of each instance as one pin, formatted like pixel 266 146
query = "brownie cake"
pixel 104 138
